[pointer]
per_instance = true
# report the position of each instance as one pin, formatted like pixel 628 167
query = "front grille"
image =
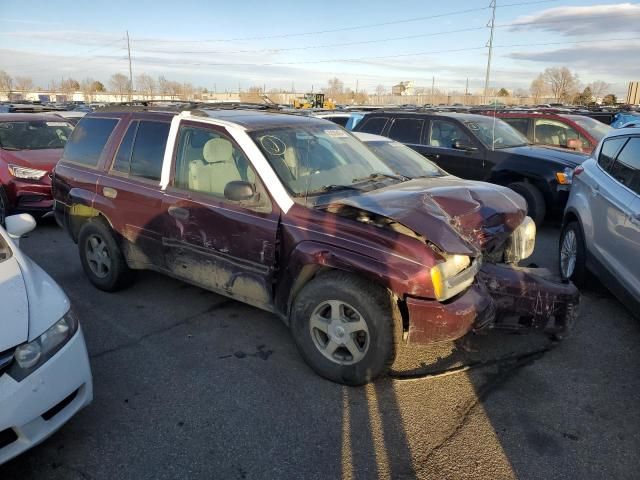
pixel 7 437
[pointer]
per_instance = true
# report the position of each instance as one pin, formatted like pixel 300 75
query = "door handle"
pixel 109 192
pixel 179 213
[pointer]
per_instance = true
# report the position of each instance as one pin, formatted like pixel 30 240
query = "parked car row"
pixel 360 243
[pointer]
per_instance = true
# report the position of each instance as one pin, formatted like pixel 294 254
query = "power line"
pixel 344 29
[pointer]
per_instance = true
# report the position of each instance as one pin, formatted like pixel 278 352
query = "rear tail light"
pixel 578 170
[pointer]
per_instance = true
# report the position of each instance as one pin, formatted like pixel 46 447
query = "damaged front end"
pixel 479 232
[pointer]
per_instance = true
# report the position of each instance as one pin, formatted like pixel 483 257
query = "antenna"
pixel 130 71
pixel 491 24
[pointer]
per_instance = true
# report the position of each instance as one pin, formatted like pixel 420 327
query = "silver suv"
pixel 601 227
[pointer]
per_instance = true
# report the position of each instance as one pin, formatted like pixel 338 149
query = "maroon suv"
pixel 296 216
pixel 30 146
pixel 575 132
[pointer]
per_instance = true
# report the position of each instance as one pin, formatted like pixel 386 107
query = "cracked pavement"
pixel 189 384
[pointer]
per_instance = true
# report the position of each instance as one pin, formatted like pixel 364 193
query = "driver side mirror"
pixel 18 226
pixel 239 191
pixel 460 145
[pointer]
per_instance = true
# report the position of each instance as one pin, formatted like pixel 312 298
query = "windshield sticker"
pixel 473 126
pixel 57 124
pixel 336 133
pixel 273 145
pixel 395 144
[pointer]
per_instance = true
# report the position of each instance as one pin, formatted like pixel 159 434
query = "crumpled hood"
pixel 459 216
pixel 44 159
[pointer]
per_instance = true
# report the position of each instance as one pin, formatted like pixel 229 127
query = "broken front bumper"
pixel 502 297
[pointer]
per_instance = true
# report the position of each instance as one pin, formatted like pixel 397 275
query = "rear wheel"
pixel 536 207
pixel 101 257
pixel 572 255
pixel 346 328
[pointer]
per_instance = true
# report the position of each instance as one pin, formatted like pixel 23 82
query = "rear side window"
pixel 342 121
pixel 626 168
pixel 608 152
pixel 406 130
pixel 148 149
pixel 373 125
pixel 520 124
pixel 123 157
pixel 88 139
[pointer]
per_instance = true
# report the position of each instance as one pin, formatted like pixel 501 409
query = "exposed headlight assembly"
pixel 26 173
pixel 31 356
pixel 453 276
pixel 522 242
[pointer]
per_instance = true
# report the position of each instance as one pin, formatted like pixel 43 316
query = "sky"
pixel 224 45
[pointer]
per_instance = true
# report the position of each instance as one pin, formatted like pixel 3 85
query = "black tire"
pixel 4 206
pixel 579 273
pixel 370 302
pixel 118 275
pixel 536 206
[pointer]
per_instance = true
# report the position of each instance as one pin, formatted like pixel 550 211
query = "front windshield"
pixel 495 133
pixel 405 161
pixel 314 159
pixel 34 134
pixel 595 128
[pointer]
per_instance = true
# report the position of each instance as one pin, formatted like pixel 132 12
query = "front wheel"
pixel 536 206
pixel 572 255
pixel 346 328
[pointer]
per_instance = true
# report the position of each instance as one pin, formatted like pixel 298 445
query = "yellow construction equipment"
pixel 313 100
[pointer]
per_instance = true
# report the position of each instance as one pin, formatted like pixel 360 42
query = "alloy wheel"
pixel 569 253
pixel 339 332
pixel 98 257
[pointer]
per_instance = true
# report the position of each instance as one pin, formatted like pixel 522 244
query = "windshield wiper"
pixel 375 175
pixel 327 189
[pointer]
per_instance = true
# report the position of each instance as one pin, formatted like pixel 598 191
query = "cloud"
pixel 577 21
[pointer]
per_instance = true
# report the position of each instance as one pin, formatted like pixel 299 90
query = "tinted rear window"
pixel 342 121
pixel 148 149
pixel 608 152
pixel 88 139
pixel 520 124
pixel 406 130
pixel 626 168
pixel 373 125
pixel 123 157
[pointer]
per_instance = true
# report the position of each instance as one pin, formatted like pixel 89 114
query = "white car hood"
pixel 14 307
pixel 30 301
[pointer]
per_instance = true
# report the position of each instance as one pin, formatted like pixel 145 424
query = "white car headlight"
pixel 453 276
pixel 26 173
pixel 31 356
pixel 522 242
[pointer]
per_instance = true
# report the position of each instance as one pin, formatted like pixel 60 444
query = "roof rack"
pixel 179 106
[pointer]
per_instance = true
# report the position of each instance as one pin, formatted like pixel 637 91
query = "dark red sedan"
pixel 30 146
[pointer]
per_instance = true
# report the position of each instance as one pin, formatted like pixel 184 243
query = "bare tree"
pixel 562 82
pixel 163 86
pixel 119 83
pixel 335 88
pixel 598 88
pixel 23 83
pixel 380 90
pixel 87 87
pixel 5 82
pixel 538 88
pixel 146 85
pixel 69 86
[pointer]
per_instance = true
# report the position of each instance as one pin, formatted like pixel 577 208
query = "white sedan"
pixel 45 376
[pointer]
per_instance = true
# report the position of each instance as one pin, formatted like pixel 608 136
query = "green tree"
pixel 503 92
pixel 609 99
pixel 584 98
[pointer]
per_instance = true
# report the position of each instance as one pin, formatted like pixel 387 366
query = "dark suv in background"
pixel 477 147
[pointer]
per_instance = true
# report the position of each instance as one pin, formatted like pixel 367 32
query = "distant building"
pixel 403 88
pixel 633 94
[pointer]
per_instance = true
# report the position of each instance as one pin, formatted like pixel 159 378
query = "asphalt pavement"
pixel 189 384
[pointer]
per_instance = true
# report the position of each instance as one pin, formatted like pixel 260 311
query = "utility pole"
pixel 466 90
pixel 433 85
pixel 490 45
pixel 130 71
